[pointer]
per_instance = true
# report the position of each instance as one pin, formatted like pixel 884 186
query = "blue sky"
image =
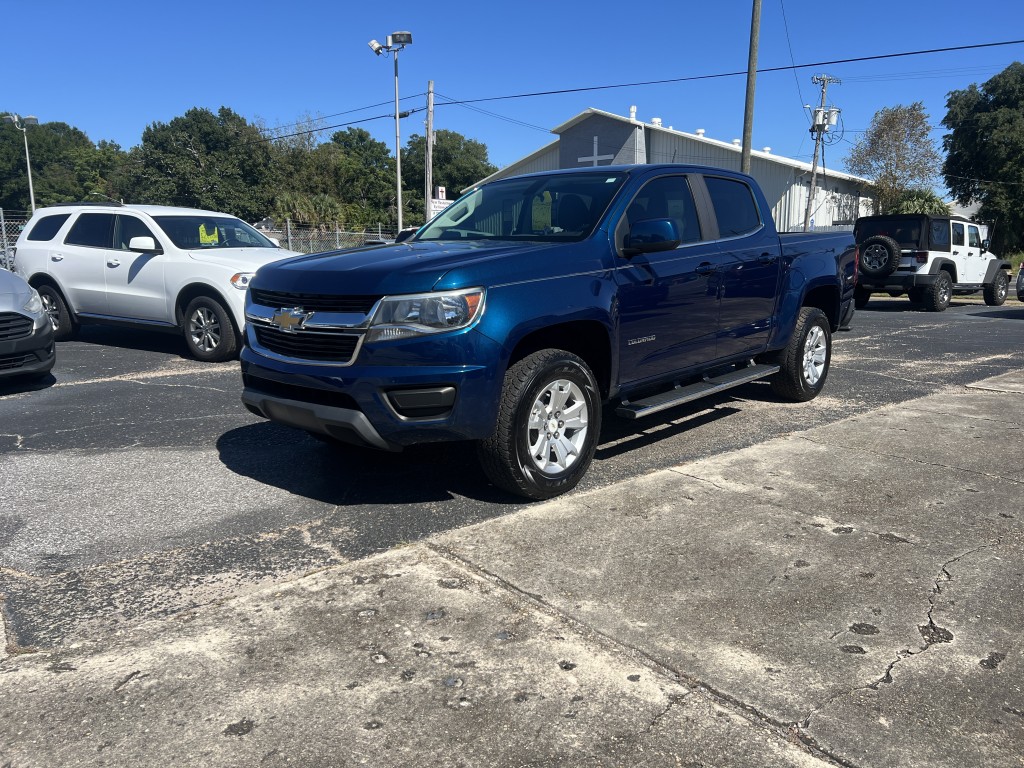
pixel 111 67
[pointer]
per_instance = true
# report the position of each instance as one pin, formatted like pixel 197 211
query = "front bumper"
pixel 394 395
pixel 32 355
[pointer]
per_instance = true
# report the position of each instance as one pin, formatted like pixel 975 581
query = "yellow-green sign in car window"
pixel 208 237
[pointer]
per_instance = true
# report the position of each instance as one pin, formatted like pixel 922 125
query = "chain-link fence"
pixel 309 239
pixel 11 224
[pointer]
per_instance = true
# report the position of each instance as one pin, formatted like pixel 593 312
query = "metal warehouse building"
pixel 595 137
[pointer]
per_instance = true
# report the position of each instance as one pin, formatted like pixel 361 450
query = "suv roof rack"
pixel 114 204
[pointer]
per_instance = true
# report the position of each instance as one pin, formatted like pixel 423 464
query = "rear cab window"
pixel 735 207
pixel 47 227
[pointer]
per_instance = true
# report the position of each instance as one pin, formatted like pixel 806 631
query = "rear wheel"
pixel 995 292
pixel 805 360
pixel 549 419
pixel 209 333
pixel 938 294
pixel 64 325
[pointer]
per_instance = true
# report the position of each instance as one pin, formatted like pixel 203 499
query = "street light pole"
pixel 396 41
pixel 22 125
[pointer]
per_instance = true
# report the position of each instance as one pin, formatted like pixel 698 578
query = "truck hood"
pixel 241 259
pixel 404 267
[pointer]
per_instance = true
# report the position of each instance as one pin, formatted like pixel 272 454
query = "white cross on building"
pixel 595 157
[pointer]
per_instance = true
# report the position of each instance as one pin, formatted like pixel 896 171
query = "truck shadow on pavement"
pixel 349 475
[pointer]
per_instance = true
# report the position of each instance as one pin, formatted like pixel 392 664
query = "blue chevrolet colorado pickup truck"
pixel 516 314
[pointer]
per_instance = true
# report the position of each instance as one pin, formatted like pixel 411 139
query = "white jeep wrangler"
pixel 929 258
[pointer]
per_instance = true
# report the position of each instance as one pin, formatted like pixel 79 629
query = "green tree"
pixel 364 176
pixel 897 154
pixel 458 163
pixel 985 153
pixel 921 201
pixel 203 160
pixel 66 165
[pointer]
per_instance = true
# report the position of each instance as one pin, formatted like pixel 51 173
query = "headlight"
pixel 241 280
pixel 401 317
pixel 34 307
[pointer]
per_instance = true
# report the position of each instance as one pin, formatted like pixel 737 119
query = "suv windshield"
pixel 552 208
pixel 200 232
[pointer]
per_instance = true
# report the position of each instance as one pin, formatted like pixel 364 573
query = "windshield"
pixel 201 232
pixel 556 208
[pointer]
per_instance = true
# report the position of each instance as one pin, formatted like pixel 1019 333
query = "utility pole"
pixel 821 120
pixel 748 111
pixel 428 171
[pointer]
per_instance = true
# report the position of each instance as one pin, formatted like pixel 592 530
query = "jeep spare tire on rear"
pixel 879 256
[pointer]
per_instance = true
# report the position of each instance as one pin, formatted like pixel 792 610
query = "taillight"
pixel 921 257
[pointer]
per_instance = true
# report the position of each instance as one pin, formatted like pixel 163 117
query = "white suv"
pixel 178 269
pixel 930 258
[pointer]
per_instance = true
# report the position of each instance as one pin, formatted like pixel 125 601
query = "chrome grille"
pixel 322 346
pixel 14 326
pixel 314 302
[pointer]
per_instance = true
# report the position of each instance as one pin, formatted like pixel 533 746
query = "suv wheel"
pixel 995 292
pixel 879 256
pixel 806 358
pixel 548 424
pixel 209 333
pixel 938 294
pixel 64 325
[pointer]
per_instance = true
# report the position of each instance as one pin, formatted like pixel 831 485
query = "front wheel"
pixel 805 360
pixel 549 419
pixel 209 333
pixel 63 323
pixel 995 292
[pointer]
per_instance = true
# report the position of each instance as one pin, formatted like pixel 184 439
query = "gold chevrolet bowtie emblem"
pixel 290 320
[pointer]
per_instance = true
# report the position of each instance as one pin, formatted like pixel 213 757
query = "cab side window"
pixel 734 206
pixel 92 229
pixel 668 197
pixel 958 234
pixel 127 228
pixel 973 237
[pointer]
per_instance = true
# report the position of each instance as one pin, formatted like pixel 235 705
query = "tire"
pixel 938 294
pixel 879 256
pixel 549 419
pixel 210 334
pixel 861 297
pixel 995 292
pixel 64 324
pixel 805 360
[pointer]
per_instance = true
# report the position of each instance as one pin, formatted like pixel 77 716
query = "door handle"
pixel 113 263
pixel 705 268
pixel 766 258
pixel 56 257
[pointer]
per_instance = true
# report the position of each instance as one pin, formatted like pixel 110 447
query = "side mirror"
pixel 985 244
pixel 275 241
pixel 143 245
pixel 651 236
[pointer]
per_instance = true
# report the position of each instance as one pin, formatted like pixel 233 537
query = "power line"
pixel 507 119
pixel 693 78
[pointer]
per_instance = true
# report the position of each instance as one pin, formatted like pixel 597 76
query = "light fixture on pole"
pixel 22 123
pixel 396 41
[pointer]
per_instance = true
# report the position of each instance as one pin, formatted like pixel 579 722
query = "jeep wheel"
pixel 64 325
pixel 938 294
pixel 995 292
pixel 861 297
pixel 879 256
pixel 209 333
pixel 806 358
pixel 549 419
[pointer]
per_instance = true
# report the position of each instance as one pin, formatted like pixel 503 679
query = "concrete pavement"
pixel 847 595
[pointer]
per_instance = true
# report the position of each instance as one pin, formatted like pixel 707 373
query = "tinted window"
pixel 127 228
pixel 958 234
pixel 94 229
pixel 667 198
pixel 734 206
pixel 939 234
pixel 973 237
pixel 47 226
